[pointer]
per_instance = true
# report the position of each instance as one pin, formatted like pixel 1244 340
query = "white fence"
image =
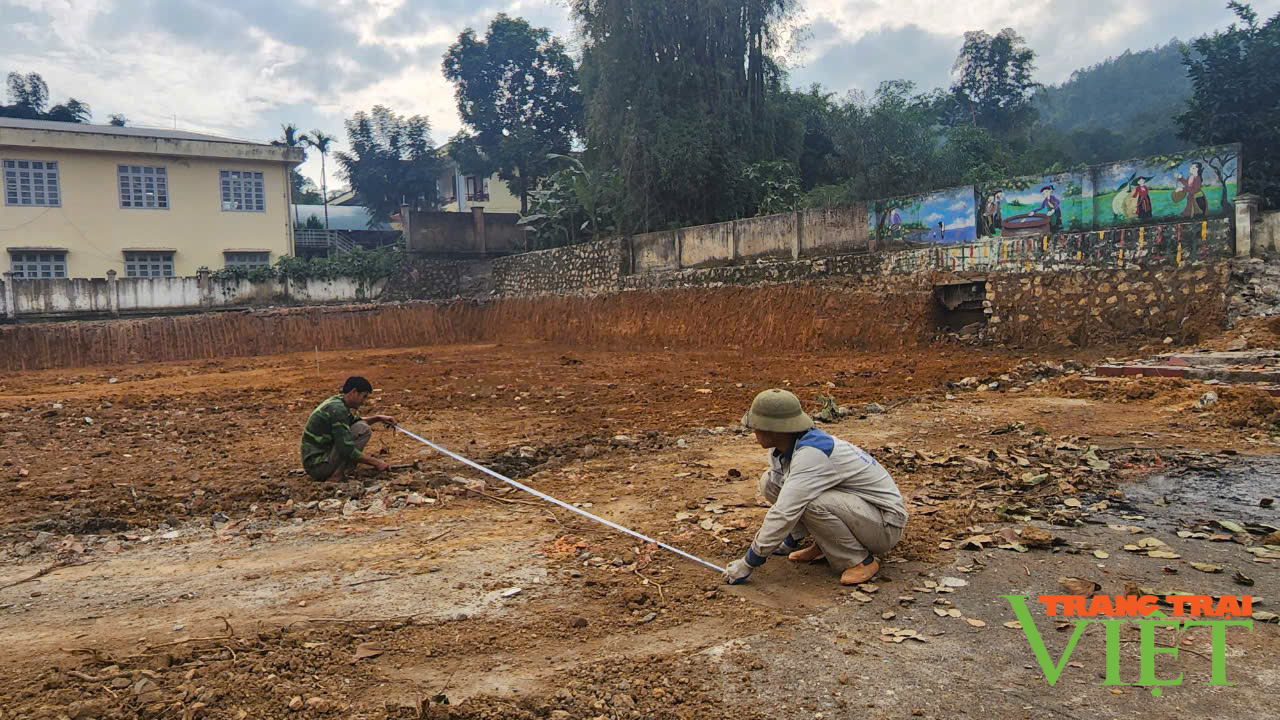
pixel 111 296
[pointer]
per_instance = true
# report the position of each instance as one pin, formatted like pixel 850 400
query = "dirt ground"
pixel 194 572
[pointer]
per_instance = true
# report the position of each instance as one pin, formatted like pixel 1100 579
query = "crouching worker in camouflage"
pixel 819 486
pixel 334 438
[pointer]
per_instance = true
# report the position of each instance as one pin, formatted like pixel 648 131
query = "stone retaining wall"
pixel 587 268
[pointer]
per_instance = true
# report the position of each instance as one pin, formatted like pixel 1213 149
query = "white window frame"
pixel 143 187
pixel 237 258
pixel 37 264
pixel 43 182
pixel 148 263
pixel 232 192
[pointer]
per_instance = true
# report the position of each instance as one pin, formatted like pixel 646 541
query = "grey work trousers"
pixel 360 433
pixel 844 526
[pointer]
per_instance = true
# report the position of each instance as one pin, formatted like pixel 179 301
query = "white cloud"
pixel 243 67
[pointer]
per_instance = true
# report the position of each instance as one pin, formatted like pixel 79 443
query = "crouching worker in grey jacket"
pixel 820 486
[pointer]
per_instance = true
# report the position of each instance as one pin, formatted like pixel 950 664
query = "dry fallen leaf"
pixel 888 614
pixel 955 613
pixel 1242 579
pixel 1013 625
pixel 940 612
pixel 975 623
pixel 1079 586
pixel 1229 526
pixel 868 587
pixel 1101 554
pixel 1206 567
pixel 860 596
pixel 368 650
pixel 1163 555
pixel 1150 542
pixel 953 582
pixel 1264 616
pixel 1071 502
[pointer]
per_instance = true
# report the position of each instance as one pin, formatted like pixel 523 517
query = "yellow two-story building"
pixel 81 199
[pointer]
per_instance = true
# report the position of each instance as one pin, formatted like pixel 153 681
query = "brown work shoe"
pixel 859 574
pixel 813 553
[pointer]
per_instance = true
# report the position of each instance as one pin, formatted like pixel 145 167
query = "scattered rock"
pixel 318 704
pixel 1207 399
pixel 1035 537
pixel 378 507
pixel 296 703
pixel 578 621
pixel 415 499
pixel 350 508
pixel 873 408
pixel 329 505
pixel 42 540
pixel 649 618
pixel 1237 345
pixel 528 452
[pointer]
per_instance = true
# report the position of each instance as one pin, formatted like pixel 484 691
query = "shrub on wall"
pixel 365 266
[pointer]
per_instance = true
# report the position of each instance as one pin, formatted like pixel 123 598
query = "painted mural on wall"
pixel 1036 205
pixel 945 217
pixel 1198 184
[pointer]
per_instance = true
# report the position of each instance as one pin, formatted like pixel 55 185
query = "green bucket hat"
pixel 777 411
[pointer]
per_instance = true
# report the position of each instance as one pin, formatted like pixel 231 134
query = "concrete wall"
pixel 469 234
pixel 80 296
pixel 811 233
pixel 706 245
pixel 833 230
pixel 768 236
pixel 1267 235
pixel 95 230
pixel 655 252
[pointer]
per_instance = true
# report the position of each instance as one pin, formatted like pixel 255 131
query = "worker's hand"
pixel 737 572
pixel 384 419
pixel 380 465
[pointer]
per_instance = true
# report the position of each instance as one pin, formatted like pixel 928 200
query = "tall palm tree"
pixel 291 138
pixel 322 142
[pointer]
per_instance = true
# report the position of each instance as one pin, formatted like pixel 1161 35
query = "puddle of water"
pixel 1229 490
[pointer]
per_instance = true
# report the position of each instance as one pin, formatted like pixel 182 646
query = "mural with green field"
pixel 1198 184
pixel 1036 205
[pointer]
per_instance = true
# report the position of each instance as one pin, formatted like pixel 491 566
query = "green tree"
pixel 322 142
pixel 290 137
pixel 119 120
pixel 29 95
pixel 679 97
pixel 305 190
pixel 885 145
pixel 1236 97
pixel 993 86
pixel 574 204
pixel 517 93
pixel 815 113
pixel 391 162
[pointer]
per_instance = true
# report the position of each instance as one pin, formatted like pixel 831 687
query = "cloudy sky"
pixel 243 67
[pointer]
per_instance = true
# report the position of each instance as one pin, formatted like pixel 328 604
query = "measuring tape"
pixel 561 503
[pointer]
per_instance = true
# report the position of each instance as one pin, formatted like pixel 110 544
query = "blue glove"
pixel 737 572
